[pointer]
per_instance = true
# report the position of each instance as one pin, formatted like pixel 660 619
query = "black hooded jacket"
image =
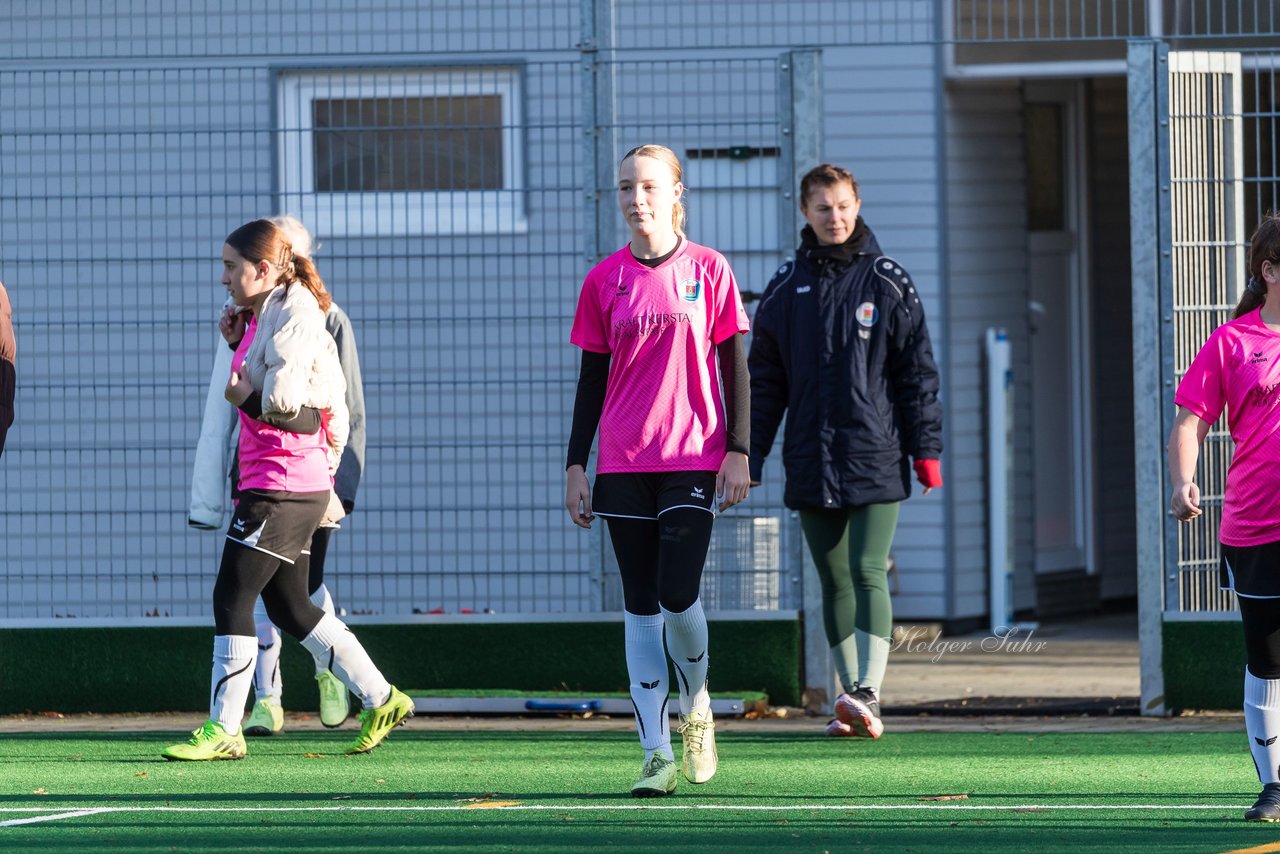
pixel 840 346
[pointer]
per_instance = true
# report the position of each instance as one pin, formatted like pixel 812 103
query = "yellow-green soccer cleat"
pixel 209 742
pixel 335 702
pixel 267 718
pixel 700 758
pixel 657 777
pixel 376 723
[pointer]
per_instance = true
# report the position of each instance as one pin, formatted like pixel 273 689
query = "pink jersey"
pixel 1239 368
pixel 277 460
pixel 663 409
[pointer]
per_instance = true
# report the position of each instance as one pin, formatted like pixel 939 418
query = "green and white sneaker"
pixel 267 718
pixel 700 757
pixel 375 724
pixel 335 702
pixel 209 742
pixel 657 777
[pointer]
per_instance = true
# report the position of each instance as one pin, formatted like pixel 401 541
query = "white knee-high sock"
pixel 873 658
pixel 687 646
pixel 1262 723
pixel 322 600
pixel 266 673
pixel 647 669
pixel 233 657
pixel 333 642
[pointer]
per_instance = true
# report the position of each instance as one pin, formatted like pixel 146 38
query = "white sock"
pixel 845 657
pixel 322 600
pixel 1262 723
pixel 687 646
pixel 333 642
pixel 266 674
pixel 233 657
pixel 873 658
pixel 647 668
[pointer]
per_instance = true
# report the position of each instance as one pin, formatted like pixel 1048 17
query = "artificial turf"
pixel 540 791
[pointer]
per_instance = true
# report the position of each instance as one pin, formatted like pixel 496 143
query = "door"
pixel 1057 304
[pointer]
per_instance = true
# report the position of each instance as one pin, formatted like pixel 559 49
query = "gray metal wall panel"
pixel 987 278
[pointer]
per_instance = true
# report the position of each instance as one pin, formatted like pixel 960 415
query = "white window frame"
pixel 400 213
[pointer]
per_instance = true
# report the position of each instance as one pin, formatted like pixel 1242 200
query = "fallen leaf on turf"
pixel 379 780
pixel 489 805
pixel 341 798
pixel 141 774
pixel 315 756
pixel 40 791
pixel 945 798
pixel 51 715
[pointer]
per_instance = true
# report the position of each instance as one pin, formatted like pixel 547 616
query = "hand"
pixel 232 324
pixel 1185 501
pixel 237 390
pixel 577 497
pixel 733 481
pixel 929 473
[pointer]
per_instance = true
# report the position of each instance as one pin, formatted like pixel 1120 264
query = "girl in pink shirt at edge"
pixel 288 386
pixel 664 377
pixel 1238 369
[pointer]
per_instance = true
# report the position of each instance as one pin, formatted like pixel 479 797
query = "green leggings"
pixel 850 547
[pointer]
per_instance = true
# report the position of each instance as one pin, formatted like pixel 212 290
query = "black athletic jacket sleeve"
pixel 768 375
pixel 306 422
pixel 913 380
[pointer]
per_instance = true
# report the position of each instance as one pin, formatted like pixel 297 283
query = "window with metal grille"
pixel 431 152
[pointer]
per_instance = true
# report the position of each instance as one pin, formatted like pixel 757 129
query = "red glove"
pixel 929 473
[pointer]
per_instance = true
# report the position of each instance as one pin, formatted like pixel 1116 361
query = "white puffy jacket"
pixel 293 361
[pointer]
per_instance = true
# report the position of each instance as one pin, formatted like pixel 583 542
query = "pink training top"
pixel 277 460
pixel 1239 368
pixel 663 409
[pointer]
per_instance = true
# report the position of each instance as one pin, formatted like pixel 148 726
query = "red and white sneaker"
pixel 835 729
pixel 860 711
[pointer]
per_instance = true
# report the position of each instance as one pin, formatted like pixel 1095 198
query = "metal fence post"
pixel 801 134
pixel 1146 203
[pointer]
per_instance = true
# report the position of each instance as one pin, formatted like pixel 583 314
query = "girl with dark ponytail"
pixel 1238 369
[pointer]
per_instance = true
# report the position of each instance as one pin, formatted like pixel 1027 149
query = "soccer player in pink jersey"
pixel 1238 369
pixel 664 378
pixel 287 382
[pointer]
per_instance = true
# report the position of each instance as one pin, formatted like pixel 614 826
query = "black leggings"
pixel 247 573
pixel 319 548
pixel 1261 621
pixel 661 560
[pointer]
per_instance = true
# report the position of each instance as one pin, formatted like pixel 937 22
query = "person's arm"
pixel 588 404
pixel 768 382
pixel 306 422
pixel 347 481
pixel 733 481
pixel 913 383
pixel 1185 439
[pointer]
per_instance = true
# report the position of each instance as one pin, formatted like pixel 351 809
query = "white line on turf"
pixel 606 808
pixel 54 817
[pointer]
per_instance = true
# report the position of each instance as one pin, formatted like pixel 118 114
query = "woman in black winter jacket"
pixel 841 347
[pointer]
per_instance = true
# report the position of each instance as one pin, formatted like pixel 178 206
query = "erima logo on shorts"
pixel 689 289
pixel 697 493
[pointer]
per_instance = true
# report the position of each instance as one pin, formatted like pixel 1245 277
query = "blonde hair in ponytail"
pixel 679 214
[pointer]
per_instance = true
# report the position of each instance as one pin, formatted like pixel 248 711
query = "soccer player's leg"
pixel 871 530
pixel 635 542
pixel 241 576
pixel 324 635
pixel 267 715
pixel 826 533
pixel 1260 619
pixel 335 700
pixel 684 537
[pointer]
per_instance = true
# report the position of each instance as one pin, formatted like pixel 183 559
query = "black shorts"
pixel 1251 571
pixel 277 523
pixel 647 495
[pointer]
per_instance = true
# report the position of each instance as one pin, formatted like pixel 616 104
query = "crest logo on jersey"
pixel 867 314
pixel 689 289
